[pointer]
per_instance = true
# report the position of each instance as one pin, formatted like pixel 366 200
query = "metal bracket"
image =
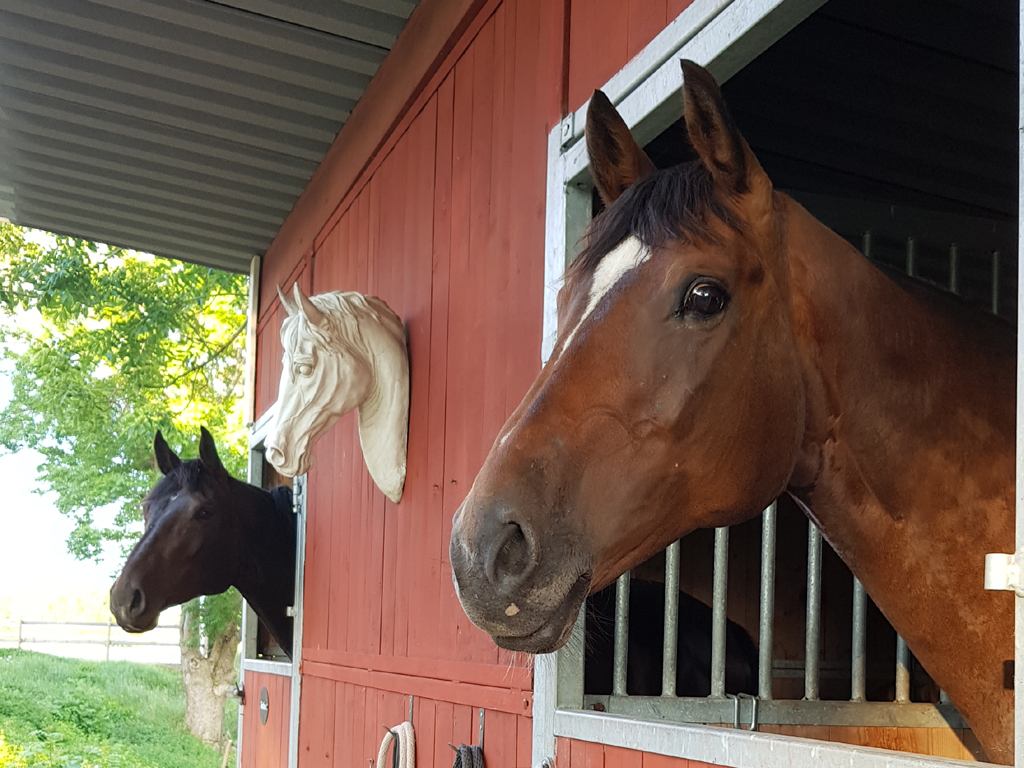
pixel 566 129
pixel 480 729
pixel 736 699
pixel 1003 572
pixel 291 612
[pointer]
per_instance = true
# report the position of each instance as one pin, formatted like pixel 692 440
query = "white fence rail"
pixel 97 640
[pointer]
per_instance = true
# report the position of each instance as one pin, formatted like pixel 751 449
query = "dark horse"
pixel 644 652
pixel 717 347
pixel 204 532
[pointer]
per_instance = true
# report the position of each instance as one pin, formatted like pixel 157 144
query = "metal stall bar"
pixel 911 256
pixel 670 646
pixel 865 246
pixel 621 635
pixel 858 663
pixel 902 671
pixel 719 595
pixel 766 633
pixel 813 636
pixel 954 268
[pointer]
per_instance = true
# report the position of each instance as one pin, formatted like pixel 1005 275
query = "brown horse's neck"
pixel 266 576
pixel 908 458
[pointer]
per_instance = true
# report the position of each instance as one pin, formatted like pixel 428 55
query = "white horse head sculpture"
pixel 342 350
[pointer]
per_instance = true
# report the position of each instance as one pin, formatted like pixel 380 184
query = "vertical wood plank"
pixel 661 761
pixel 423 721
pixel 524 740
pixel 444 720
pixel 675 7
pixel 440 519
pixel 598 45
pixel 459 392
pixel 646 18
pixel 617 757
pixel 499 739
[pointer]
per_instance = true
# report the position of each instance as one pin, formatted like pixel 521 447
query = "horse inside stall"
pixel 644 658
pixel 205 531
pixel 717 347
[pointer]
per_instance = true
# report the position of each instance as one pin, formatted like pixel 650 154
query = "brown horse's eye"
pixel 703 301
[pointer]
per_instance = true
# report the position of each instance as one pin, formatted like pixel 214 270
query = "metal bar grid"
pixel 670 653
pixel 766 634
pixel 718 612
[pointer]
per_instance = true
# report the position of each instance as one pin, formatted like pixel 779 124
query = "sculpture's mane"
pixel 347 314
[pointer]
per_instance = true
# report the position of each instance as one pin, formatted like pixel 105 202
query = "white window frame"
pixel 257 438
pixel 724 36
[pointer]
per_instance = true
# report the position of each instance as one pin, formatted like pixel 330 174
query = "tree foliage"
pixel 104 347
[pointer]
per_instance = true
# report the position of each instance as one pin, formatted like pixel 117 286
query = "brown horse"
pixel 204 532
pixel 717 347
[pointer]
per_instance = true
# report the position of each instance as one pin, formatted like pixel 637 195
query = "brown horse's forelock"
pixel 678 204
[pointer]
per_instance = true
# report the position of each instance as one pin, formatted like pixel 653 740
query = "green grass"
pixel 74 714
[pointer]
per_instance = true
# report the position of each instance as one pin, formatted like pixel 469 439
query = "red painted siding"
pixel 605 34
pixel 447 227
pixel 584 754
pixel 265 745
pixel 446 224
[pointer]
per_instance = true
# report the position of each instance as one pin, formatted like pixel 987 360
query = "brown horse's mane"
pixel 677 203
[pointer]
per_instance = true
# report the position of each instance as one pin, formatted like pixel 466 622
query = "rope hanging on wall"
pixel 404 755
pixel 469 757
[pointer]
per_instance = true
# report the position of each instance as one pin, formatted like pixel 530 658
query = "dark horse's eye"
pixel 203 513
pixel 703 301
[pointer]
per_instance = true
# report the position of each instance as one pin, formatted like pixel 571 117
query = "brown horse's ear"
pixel 166 459
pixel 714 135
pixel 616 160
pixel 208 452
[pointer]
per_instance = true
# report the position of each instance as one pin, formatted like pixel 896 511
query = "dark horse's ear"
pixel 714 135
pixel 166 459
pixel 616 160
pixel 208 452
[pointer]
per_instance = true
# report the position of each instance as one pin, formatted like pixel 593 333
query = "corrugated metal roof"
pixel 186 128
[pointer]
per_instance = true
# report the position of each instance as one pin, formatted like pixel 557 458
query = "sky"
pixel 35 566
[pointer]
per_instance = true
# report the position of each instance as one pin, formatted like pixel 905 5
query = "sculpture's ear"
pixel 208 453
pixel 309 309
pixel 166 459
pixel 290 308
pixel 616 160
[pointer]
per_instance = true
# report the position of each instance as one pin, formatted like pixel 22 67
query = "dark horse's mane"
pixel 677 203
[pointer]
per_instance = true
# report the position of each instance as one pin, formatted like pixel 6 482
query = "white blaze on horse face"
pixel 613 267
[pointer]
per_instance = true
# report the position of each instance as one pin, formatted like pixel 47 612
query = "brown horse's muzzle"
pixel 524 593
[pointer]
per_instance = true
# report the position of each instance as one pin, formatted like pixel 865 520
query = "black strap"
pixel 469 757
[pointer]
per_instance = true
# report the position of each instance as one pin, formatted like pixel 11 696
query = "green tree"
pixel 104 346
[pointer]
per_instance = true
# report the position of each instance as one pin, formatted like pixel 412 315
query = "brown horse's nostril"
pixel 510 558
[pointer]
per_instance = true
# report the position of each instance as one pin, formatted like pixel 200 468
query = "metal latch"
pixel 566 129
pixel 1003 572
pixel 291 612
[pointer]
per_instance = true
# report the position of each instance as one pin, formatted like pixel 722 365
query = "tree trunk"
pixel 208 681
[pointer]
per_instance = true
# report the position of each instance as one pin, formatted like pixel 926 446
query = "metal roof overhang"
pixel 185 128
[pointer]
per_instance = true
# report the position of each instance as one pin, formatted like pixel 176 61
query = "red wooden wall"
pixel 265 745
pixel 446 224
pixel 605 34
pixel 585 754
